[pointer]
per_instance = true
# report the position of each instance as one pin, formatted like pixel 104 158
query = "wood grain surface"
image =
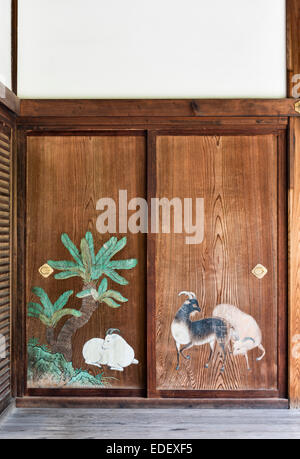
pixel 157 403
pixel 164 423
pixel 65 178
pixel 237 177
pixel 294 267
pixel 156 107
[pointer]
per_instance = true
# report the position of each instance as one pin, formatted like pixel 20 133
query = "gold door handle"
pixel 46 270
pixel 259 271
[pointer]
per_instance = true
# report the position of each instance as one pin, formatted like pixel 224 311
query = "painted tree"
pixel 90 267
pixel 50 313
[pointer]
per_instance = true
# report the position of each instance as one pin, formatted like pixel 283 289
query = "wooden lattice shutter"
pixel 5 169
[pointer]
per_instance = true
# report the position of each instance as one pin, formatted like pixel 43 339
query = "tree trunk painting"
pixel 63 343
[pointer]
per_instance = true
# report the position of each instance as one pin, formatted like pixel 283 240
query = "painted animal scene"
pixel 234 331
pixel 221 350
pixel 73 342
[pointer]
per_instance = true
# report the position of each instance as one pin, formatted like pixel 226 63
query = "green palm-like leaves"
pixel 49 313
pixel 90 266
pixel 110 297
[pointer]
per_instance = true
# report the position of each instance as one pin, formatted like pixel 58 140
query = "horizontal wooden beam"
pixel 81 392
pixel 99 402
pixel 137 124
pixel 157 108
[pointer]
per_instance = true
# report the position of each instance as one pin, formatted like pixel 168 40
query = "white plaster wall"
pixel 151 48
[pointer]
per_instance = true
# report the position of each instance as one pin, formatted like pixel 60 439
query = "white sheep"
pixel 93 352
pixel 119 353
pixel 245 332
pixel 113 351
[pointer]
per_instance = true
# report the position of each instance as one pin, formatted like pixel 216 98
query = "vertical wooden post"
pixel 294 264
pixel 293 45
pixel 18 259
pixel 293 79
pixel 14 46
pixel 151 271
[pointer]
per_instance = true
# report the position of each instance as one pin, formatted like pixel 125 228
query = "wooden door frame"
pixel 293 69
pixel 90 115
pixel 73 124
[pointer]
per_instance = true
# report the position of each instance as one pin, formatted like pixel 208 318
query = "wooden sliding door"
pixel 82 285
pixel 216 208
pixel 237 260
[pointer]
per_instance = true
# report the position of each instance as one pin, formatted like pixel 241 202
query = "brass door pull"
pixel 259 271
pixel 45 270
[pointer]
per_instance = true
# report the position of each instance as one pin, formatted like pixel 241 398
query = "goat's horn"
pixel 111 330
pixel 189 294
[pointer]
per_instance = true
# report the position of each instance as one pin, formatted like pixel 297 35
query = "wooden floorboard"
pixel 51 423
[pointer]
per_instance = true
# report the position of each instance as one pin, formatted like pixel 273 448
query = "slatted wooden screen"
pixel 5 158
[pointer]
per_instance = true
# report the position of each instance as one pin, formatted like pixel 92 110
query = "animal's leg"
pixel 135 361
pixel 187 346
pixel 229 346
pixel 233 337
pixel 212 348
pixel 178 350
pixel 230 342
pixel 247 360
pixel 93 363
pixel 117 368
pixel 263 352
pixel 224 355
